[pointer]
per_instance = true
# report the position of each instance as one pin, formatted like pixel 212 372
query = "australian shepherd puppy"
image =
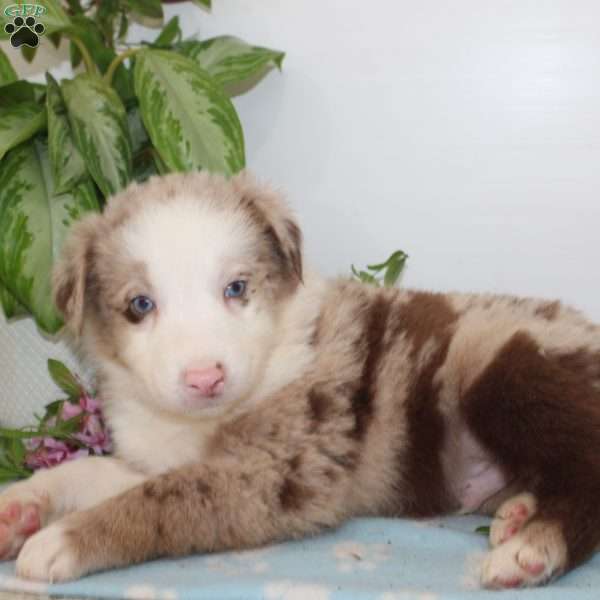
pixel 252 401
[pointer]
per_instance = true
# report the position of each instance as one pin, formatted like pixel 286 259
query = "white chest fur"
pixel 154 443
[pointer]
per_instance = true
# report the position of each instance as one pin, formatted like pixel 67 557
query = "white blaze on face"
pixel 191 250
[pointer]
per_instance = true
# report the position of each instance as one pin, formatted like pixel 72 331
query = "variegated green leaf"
pixel 10 306
pixel 170 34
pixel 140 142
pixel 99 126
pixel 143 154
pixel 231 61
pixel 39 91
pixel 18 122
pixel 90 35
pixel 191 122
pixel 21 91
pixel 54 18
pixel 7 73
pixel 106 16
pixel 204 3
pixel 33 223
pixel 145 9
pixel 68 168
pixel 16 92
pixel 159 164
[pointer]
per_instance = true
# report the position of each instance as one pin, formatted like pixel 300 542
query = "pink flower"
pixel 94 435
pixel 85 403
pixel 90 404
pixel 70 410
pixel 52 452
pixel 91 434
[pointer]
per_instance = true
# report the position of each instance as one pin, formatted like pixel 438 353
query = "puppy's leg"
pixel 257 495
pixel 28 505
pixel 541 421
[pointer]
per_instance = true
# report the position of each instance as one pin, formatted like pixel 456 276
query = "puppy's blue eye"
pixel 140 306
pixel 236 289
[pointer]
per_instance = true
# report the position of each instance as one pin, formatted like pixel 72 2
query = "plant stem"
pixel 90 67
pixel 116 62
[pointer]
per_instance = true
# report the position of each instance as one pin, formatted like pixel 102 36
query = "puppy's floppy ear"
pixel 71 272
pixel 279 227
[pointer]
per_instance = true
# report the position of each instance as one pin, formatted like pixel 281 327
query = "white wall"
pixel 466 133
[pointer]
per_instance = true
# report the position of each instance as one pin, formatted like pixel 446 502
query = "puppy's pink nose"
pixel 209 382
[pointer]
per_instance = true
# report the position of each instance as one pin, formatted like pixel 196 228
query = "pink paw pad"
pixel 516 518
pixel 519 511
pixel 11 513
pixel 512 582
pixel 17 523
pixel 533 568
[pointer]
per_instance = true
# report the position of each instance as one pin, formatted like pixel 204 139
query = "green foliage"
pixel 21 91
pixel 136 111
pixel 172 91
pixel 64 379
pixel 13 450
pixel 170 34
pixel 231 61
pixel 12 454
pixel 103 140
pixel 33 222
pixel 68 167
pixel 386 273
pixel 145 9
pixel 10 305
pixel 18 123
pixel 7 73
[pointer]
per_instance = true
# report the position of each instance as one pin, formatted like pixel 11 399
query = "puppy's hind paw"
pixel 530 558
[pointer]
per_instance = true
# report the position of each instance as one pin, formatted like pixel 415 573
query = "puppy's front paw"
pixel 50 555
pixel 22 513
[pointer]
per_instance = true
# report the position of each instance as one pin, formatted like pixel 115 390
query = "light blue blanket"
pixel 366 559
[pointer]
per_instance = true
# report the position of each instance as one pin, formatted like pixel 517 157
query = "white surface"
pixel 466 133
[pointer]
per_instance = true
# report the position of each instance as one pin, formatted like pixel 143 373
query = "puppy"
pixel 251 401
